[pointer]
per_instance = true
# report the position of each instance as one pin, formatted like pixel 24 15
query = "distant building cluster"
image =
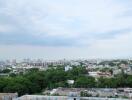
pixel 21 66
pixel 95 68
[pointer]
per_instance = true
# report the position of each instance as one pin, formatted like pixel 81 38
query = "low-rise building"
pixel 100 74
pixel 8 96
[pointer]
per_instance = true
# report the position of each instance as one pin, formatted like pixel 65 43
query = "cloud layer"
pixel 100 27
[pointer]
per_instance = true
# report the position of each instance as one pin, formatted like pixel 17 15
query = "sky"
pixel 71 29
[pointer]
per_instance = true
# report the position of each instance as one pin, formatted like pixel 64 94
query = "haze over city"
pixel 71 29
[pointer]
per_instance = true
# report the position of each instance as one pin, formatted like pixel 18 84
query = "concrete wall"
pixel 37 97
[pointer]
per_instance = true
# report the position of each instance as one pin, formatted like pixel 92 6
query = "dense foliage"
pixel 35 81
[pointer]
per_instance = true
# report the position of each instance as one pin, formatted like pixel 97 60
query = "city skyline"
pixel 71 29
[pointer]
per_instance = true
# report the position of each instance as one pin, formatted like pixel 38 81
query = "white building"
pixel 67 68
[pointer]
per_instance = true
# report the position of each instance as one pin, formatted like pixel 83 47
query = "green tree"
pixel 85 82
pixel 6 71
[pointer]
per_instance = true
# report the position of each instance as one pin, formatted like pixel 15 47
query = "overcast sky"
pixel 56 29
